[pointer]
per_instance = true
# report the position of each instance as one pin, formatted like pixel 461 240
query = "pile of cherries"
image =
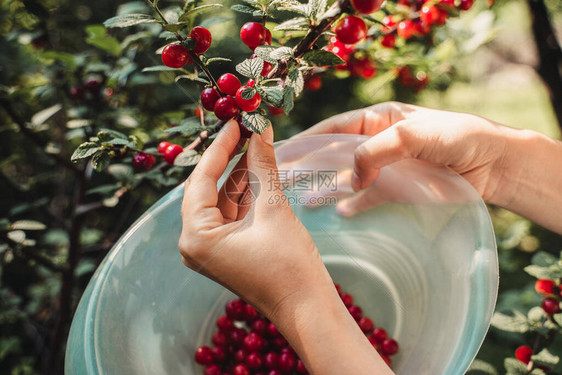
pixel 246 343
pixel 551 305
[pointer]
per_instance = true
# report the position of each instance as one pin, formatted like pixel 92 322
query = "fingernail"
pixel 343 209
pixel 355 182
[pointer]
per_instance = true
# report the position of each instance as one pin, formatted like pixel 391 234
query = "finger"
pixel 362 201
pixel 367 121
pixel 391 145
pixel 201 191
pixel 232 190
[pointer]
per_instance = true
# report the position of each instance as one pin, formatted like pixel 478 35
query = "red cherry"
pixel 266 66
pixel 240 369
pixel 226 108
pixel 259 326
pixel 366 6
pixel 545 287
pixel 422 28
pixel 250 314
pixel 351 30
pixel 524 353
pixel 286 362
pixel 279 342
pixel 78 92
pixel 338 287
pixel 108 92
pixel 219 339
pixel 379 335
pixel 204 356
pixel 550 306
pixel 162 146
pixel 388 41
pixel 219 354
pixel 228 84
pixel 209 97
pixel 268 37
pixel 347 299
pixel 300 368
pixel 254 360
pixel 235 309
pixel 275 111
pixel 466 4
pixel 248 105
pixel 237 336
pixel 342 50
pixel 313 83
pixel 387 360
pixel 405 76
pixel 270 360
pixel 240 356
pixel 172 153
pixel 253 342
pixel 175 56
pixel 429 14
pixel 272 331
pixel 202 38
pixel 389 22
pixel 363 67
pixel 224 323
pixel 274 372
pixel 253 34
pixel 213 370
pixel 143 162
pixel 406 29
pixel 421 81
pixel 356 312
pixel 198 112
pixel 94 86
pixel 375 344
pixel 366 324
pixel 389 347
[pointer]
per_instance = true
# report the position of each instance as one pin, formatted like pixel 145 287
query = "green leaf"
pixel 85 150
pixel 248 93
pixel 250 68
pixel 552 272
pixel 28 225
pixel 159 68
pixel 264 52
pixel 259 13
pixel 192 77
pixel 272 96
pixel 544 259
pixel 295 80
pixel 242 9
pixel 216 59
pixel 173 27
pixel 321 57
pixel 100 161
pixel 187 129
pixel 9 345
pixel 119 142
pixel 288 99
pixel 516 323
pixel 295 7
pixel 187 158
pixel 105 135
pixel 202 8
pixel 317 7
pixel 282 53
pixel 255 122
pixel 97 37
pixel 126 20
pixel 545 358
pixel 479 367
pixel 40 117
pixel 514 367
pixel 65 58
pixel 18 236
pixel 294 24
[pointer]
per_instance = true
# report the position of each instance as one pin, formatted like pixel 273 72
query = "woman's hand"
pixel 516 169
pixel 246 238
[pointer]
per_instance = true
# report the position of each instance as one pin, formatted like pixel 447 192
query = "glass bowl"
pixel 416 250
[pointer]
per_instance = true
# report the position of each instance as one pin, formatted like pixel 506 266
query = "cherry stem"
pixel 205 70
pixel 115 148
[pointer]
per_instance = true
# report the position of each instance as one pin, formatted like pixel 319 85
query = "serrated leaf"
pixel 242 9
pixel 546 358
pixel 259 13
pixel 516 323
pixel 264 52
pixel 479 367
pixel 85 150
pixel 295 80
pixel 552 272
pixel 126 20
pixel 321 57
pixel 107 134
pixel 255 122
pixel 318 7
pixel 159 68
pixel 28 225
pixel 248 93
pixel 100 161
pixel 40 117
pixel 250 68
pixel 514 367
pixel 288 99
pixel 281 53
pixel 216 59
pixel 294 6
pixel 187 129
pixel 271 96
pixel 202 8
pixel 120 142
pixel 294 24
pixel 187 158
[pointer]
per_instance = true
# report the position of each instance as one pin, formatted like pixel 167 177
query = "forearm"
pixel 531 176
pixel 327 338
